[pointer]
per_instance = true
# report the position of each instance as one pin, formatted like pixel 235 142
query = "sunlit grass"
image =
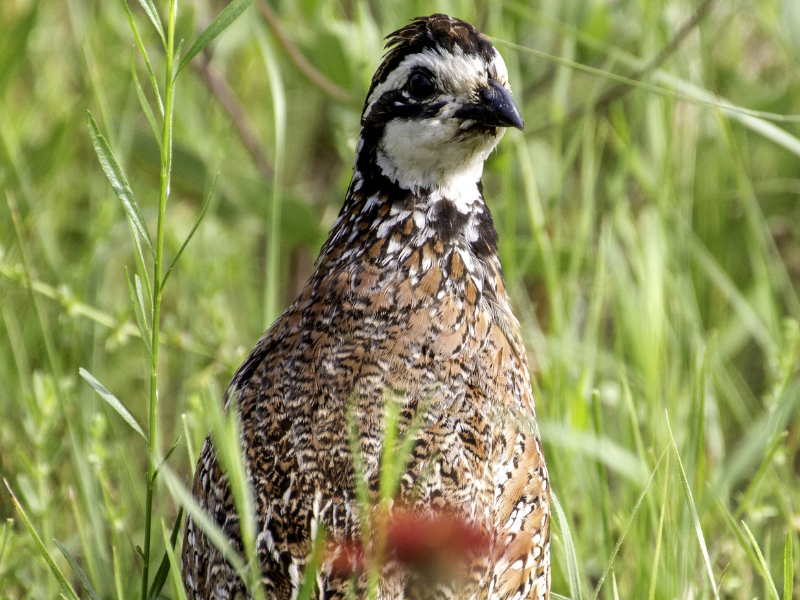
pixel 651 249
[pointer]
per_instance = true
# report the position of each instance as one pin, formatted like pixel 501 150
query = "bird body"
pixel 407 299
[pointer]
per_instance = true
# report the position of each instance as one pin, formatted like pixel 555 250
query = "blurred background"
pixel 649 236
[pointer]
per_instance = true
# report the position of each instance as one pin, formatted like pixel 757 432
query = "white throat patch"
pixel 435 152
pixel 429 155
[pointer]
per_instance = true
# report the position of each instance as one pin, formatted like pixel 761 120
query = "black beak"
pixel 495 108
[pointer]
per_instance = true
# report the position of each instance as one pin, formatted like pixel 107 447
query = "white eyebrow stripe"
pixel 460 73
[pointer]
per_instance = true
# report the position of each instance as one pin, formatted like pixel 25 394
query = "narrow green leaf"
pixel 117 178
pixel 228 447
pixel 173 566
pixel 225 18
pixel 78 571
pixel 191 233
pixel 166 458
pixel 309 584
pixel 757 437
pixel 573 574
pixel 112 400
pixel 163 569
pixel 599 448
pixel 720 278
pixel 140 294
pixel 788 567
pixel 151 11
pixel 142 268
pixel 66 588
pixel 407 443
pixel 657 553
pixel 628 525
pixel 138 310
pixel 555 596
pixel 189 445
pixel 391 413
pixel 273 249
pixel 755 480
pixel 148 112
pixel 362 494
pixel 201 520
pixel 764 568
pixel 693 510
pixel 682 89
pixel 176 63
pixel 6 537
pixel 117 572
pixel 734 527
pixel 143 52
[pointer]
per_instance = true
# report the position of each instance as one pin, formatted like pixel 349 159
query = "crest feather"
pixel 435 32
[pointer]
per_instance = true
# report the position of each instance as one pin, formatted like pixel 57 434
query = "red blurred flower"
pixel 439 543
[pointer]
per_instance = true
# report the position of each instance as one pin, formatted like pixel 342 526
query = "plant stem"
pixel 166 166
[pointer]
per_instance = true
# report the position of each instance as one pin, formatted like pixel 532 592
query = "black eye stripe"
pixel 397 104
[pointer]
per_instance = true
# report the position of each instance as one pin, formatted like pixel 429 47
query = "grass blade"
pixel 66 588
pixel 596 447
pixel 717 275
pixel 678 89
pixel 218 25
pixel 151 11
pixel 406 445
pixel 112 400
pixel 573 574
pixel 272 262
pixel 788 568
pixel 117 573
pixel 141 266
pixel 695 519
pixel 148 112
pixel 6 537
pixel 362 493
pixel 166 562
pixel 115 175
pixel 764 568
pixel 189 445
pixel 397 450
pixel 191 233
pixel 227 441
pixel 137 300
pixel 176 62
pixel 166 458
pixel 78 571
pixel 657 553
pixel 172 565
pixel 734 527
pixel 762 470
pixel 309 585
pixel 209 528
pixel 627 526
pixel 143 52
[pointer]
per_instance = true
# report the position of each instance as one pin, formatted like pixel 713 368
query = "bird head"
pixel 438 104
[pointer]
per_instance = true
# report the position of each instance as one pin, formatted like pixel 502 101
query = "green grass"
pixel 650 245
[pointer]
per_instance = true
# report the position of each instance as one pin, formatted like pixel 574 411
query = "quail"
pixel 408 299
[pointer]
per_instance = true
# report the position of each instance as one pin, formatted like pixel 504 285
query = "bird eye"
pixel 420 86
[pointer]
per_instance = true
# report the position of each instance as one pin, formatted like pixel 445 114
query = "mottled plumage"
pixel 407 297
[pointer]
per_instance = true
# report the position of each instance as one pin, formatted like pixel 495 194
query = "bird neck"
pixel 384 222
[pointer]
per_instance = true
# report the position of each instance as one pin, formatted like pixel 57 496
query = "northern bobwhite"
pixel 407 297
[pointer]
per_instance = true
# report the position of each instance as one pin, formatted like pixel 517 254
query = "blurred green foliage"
pixel 651 248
